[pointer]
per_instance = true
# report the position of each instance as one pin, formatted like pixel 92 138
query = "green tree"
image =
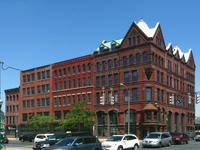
pixel 39 122
pixel 78 114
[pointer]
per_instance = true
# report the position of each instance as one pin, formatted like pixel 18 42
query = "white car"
pixel 41 137
pixel 121 142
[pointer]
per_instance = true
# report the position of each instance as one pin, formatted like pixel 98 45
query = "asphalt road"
pixel 15 144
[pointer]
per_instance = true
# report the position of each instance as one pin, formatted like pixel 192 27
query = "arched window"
pixel 137 58
pixel 69 71
pixel 159 60
pixel 103 65
pixel 131 59
pixel 109 64
pixel 83 67
pixel 74 70
pixel 98 66
pixel 156 59
pixel 64 71
pixel 55 73
pixel 7 98
pixel 89 67
pixel 153 57
pixel 124 60
pixel 60 72
pixel 100 123
pixel 144 56
pixel 115 62
pixel 79 68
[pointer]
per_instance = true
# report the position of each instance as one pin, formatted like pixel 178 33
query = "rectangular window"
pixel 116 78
pixel 38 102
pixel 83 82
pixel 138 39
pixel 64 84
pixel 110 79
pixel 32 90
pixel 24 117
pixel 28 104
pixel 98 81
pixel 24 79
pixel 89 97
pixel 161 76
pixel 28 78
pixel 116 96
pixel 134 75
pixel 89 81
pixel 24 91
pixel 83 97
pixel 57 115
pixel 129 41
pixel 158 94
pixel 24 105
pixel 32 77
pixel 38 89
pixel 55 86
pixel 158 76
pixel 69 84
pixel 59 101
pixel 43 74
pixel 78 98
pixel 28 91
pixel 73 99
pixel 64 100
pixel 133 40
pixel 162 96
pixel 126 95
pixel 47 101
pixel 38 76
pixel 43 88
pixel 134 94
pixel 148 93
pixel 55 101
pixel 73 83
pixel 48 74
pixel 97 98
pixel 47 88
pixel 46 113
pixel 32 103
pixel 103 81
pixel 69 100
pixel 43 102
pixel 59 85
pixel 126 77
pixel 79 82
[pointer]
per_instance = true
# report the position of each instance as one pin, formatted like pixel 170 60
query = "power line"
pixel 9 67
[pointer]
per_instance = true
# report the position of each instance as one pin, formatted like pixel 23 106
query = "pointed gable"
pixel 150 106
pixel 183 59
pixel 177 55
pixel 190 61
pixel 169 49
pixel 158 37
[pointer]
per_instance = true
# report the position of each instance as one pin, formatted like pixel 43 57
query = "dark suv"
pixel 27 137
pixel 75 143
pixel 54 139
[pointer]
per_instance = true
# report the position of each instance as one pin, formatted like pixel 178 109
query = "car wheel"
pixel 136 147
pixel 31 140
pixel 120 148
pixel 22 140
pixel 181 142
pixel 159 145
pixel 187 141
pixel 169 144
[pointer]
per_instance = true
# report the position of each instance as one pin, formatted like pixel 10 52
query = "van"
pixel 41 137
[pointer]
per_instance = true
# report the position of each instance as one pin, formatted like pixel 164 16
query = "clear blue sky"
pixel 34 33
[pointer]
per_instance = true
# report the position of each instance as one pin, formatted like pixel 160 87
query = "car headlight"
pixel 45 145
pixel 155 141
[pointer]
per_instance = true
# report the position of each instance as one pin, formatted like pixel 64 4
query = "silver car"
pixel 157 139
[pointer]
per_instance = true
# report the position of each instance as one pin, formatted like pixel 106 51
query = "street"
pixel 18 145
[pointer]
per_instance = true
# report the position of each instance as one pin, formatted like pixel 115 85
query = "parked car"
pixel 54 139
pixel 192 135
pixel 5 140
pixel 197 136
pixel 41 137
pixel 27 137
pixel 75 143
pixel 120 142
pixel 179 137
pixel 157 139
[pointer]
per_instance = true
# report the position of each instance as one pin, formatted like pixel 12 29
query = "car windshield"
pixel 65 142
pixel 176 134
pixel 153 136
pixel 48 135
pixel 115 138
pixel 55 137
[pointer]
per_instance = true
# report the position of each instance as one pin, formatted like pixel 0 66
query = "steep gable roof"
pixel 150 106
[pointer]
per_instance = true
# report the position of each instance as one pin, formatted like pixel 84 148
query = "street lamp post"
pixel 128 108
pixel 1 102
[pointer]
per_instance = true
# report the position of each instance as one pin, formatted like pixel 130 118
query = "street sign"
pixel 179 101
pixel 3 118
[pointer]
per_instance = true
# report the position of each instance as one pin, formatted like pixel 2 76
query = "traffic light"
pixel 189 98
pixel 171 99
pixel 102 99
pixel 197 98
pixel 112 101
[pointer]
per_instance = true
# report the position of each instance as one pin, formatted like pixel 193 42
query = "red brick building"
pixel 140 68
pixel 12 110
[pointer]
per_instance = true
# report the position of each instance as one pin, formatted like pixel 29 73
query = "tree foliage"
pixel 39 122
pixel 78 114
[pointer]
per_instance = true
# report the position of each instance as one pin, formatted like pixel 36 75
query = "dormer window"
pixel 101 50
pixel 113 47
pixel 133 40
pixel 129 41
pixel 138 39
